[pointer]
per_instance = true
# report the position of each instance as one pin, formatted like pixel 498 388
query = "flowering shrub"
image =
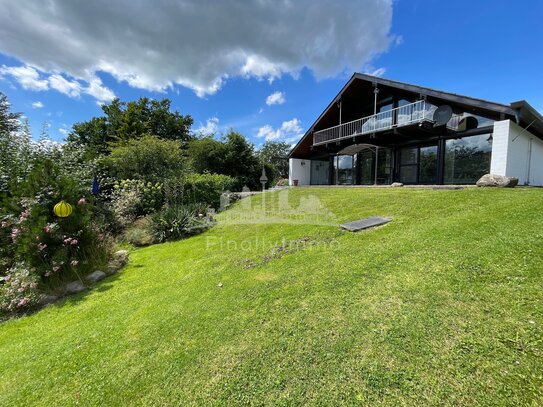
pixel 39 246
pixel 125 207
pixel 149 194
pixel 19 290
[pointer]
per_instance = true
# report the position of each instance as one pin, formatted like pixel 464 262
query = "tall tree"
pixel 15 147
pixel 125 121
pixel 275 154
pixel 233 155
pixel 9 121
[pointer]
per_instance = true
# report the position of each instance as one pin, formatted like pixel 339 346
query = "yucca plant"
pixel 174 222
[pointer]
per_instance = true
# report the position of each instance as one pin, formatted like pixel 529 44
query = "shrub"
pixel 206 188
pixel 175 222
pixel 148 158
pixel 125 207
pixel 233 155
pixel 48 248
pixel 149 194
pixel 19 290
pixel 139 233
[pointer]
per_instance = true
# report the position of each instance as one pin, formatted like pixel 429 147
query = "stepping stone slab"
pixel 364 223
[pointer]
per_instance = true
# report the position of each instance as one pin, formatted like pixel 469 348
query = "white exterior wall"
pixel 517 153
pixel 298 171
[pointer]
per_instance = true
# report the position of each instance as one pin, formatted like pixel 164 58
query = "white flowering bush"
pixel 18 289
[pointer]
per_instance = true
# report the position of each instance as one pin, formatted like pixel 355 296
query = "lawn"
pixel 442 306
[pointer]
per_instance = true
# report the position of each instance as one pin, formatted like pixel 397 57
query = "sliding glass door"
pixel 418 165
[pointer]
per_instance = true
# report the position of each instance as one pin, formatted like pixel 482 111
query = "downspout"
pixel 375 92
pixel 340 113
pixel 529 162
pixel 376 163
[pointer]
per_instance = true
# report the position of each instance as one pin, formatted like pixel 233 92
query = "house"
pixel 379 131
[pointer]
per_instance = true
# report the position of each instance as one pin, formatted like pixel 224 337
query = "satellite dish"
pixel 468 123
pixel 442 115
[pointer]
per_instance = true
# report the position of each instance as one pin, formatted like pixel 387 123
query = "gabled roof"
pixel 521 110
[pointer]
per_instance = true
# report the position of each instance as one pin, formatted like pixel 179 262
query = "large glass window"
pixel 428 165
pixel 467 159
pixel 344 169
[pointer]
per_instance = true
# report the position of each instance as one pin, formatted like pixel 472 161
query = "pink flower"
pixel 15 232
pixel 34 285
pixel 67 240
pixel 56 268
pixel 23 302
pixel 41 246
pixel 4 224
pixel 74 263
pixel 25 214
pixel 74 242
pixel 82 201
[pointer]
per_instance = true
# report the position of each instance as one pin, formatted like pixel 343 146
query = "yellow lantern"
pixel 63 209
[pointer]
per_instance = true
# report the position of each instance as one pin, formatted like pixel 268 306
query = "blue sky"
pixel 56 69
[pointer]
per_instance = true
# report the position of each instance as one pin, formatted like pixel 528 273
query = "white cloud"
pixel 28 77
pixel 377 72
pixel 276 98
pixel 210 128
pixel 31 78
pixel 69 88
pixel 289 131
pixel 63 131
pixel 97 90
pixel 161 44
pixel 37 104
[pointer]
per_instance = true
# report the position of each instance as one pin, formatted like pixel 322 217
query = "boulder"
pixel 46 299
pixel 121 256
pixel 119 260
pixel 95 276
pixel 396 185
pixel 75 287
pixel 491 180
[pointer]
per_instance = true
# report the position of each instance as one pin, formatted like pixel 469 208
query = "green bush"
pixel 148 158
pixel 206 188
pixel 149 194
pixel 175 222
pixel 139 233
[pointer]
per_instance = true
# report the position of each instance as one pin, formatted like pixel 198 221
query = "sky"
pixel 266 68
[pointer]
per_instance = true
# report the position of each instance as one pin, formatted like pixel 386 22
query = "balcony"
pixel 406 115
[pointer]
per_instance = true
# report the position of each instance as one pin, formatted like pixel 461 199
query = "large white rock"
pixel 119 260
pixel 491 180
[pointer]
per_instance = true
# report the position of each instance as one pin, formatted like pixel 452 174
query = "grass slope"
pixel 443 306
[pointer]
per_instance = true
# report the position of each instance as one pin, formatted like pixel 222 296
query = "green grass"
pixel 443 306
